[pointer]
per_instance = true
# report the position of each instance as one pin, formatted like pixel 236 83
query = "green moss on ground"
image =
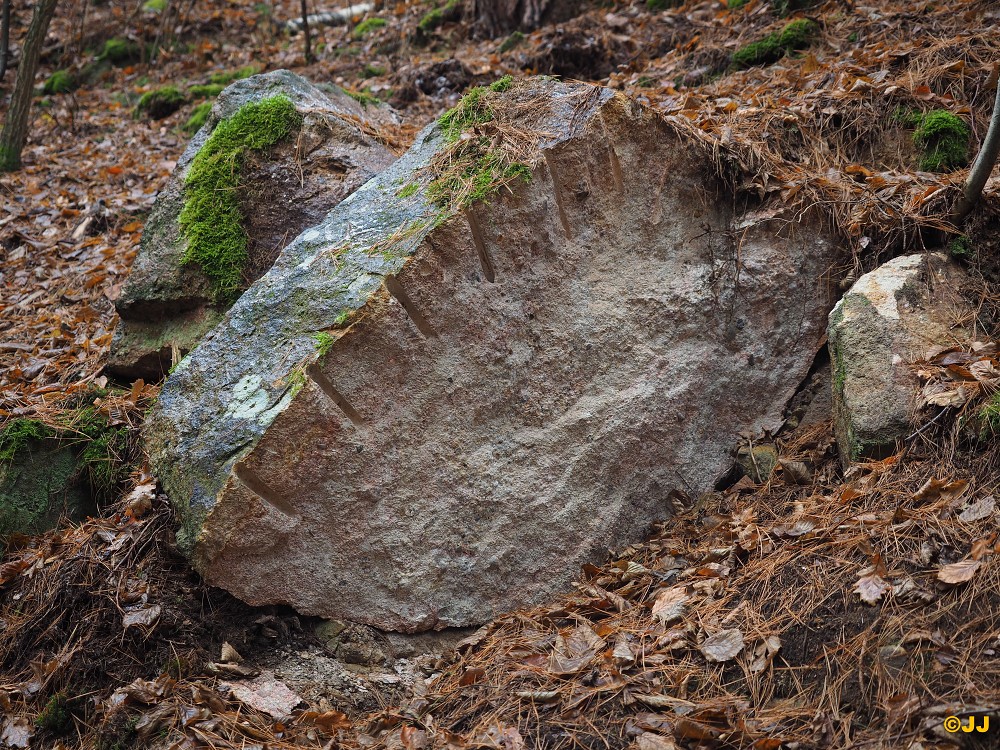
pixel 56 717
pixel 60 82
pixel 199 116
pixel 367 26
pixel 228 76
pixel 372 71
pixel 735 4
pixel 205 90
pixel 120 52
pixel 944 140
pixel 160 103
pixel 961 247
pixel 663 4
pixel 796 35
pixel 211 220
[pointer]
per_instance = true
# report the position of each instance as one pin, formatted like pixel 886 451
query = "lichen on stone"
pixel 211 219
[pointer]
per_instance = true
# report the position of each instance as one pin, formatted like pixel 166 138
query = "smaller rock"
pixel 888 320
pixel 757 462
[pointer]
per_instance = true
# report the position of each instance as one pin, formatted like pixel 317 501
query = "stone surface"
pixel 166 304
pixel 39 486
pixel 889 319
pixel 509 392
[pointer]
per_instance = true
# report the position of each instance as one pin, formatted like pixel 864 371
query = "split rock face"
pixel 421 418
pixel 167 304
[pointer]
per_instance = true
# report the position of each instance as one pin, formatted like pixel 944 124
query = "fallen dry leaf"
pixel 574 650
pixel 17 732
pixel 978 510
pixel 723 646
pixel 651 741
pixel 670 604
pixel 959 572
pixel 871 588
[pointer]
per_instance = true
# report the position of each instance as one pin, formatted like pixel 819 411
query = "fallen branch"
pixel 983 167
pixel 330 18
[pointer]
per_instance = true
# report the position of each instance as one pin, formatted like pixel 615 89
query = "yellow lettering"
pixel 972 721
pixel 985 726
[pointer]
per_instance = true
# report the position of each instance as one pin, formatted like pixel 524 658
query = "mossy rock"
pixel 437 17
pixel 241 191
pixel 120 52
pixel 60 82
pixel 199 116
pixel 757 462
pixel 48 473
pixel 160 103
pixel 796 35
pixel 367 26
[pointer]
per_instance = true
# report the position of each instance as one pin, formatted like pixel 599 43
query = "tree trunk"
pixel 15 126
pixel 493 18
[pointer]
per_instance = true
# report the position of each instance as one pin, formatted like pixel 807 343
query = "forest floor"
pixel 814 609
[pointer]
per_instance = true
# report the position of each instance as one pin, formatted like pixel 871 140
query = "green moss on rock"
pixel 205 90
pixel 160 103
pixel 226 77
pixel 60 82
pixel 944 140
pixel 437 17
pixel 367 26
pixel 476 167
pixel 120 52
pixel 796 35
pixel 211 220
pixel 199 116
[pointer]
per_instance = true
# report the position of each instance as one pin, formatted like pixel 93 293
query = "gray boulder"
pixel 888 320
pixel 421 417
pixel 167 305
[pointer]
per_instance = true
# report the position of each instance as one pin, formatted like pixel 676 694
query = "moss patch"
pixel 211 220
pixel 438 16
pixel 120 52
pixel 511 42
pixel 18 435
pixel 60 82
pixel 476 167
pixel 160 103
pixel 794 36
pixel 367 26
pixel 364 98
pixel 944 139
pixel 199 116
pixel 226 77
pixel 961 247
pixel 407 190
pixel 205 90
pixel 324 342
pixel 56 717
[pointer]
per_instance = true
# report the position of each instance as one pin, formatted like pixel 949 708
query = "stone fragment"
pixel 888 320
pixel 424 416
pixel 167 305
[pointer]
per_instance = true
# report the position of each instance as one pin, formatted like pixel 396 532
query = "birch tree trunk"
pixel 15 126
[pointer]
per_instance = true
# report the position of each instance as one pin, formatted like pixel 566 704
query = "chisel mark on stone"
pixel 317 376
pixel 477 237
pixel 557 189
pixel 397 291
pixel 256 485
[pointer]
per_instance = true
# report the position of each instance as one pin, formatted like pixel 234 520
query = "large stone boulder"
pixel 168 303
pixel 888 320
pixel 433 409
